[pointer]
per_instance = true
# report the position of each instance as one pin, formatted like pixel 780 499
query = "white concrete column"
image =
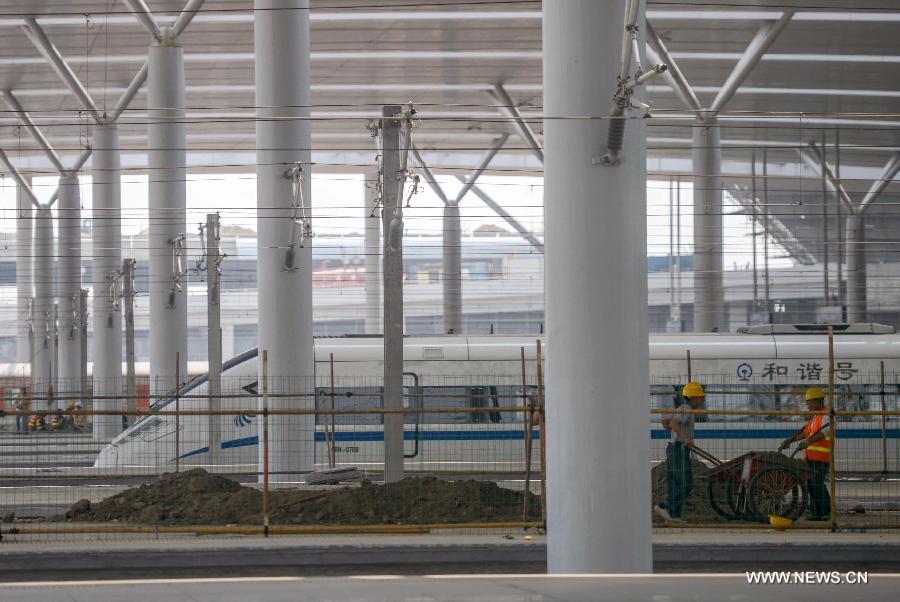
pixel 709 292
pixel 451 279
pixel 44 298
pixel 598 448
pixel 372 250
pixel 24 283
pixel 166 143
pixel 68 213
pixel 106 220
pixel 855 239
pixel 281 40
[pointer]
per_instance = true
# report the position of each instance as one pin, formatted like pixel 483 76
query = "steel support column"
pixel 214 337
pixel 106 220
pixel 709 293
pixel 452 269
pixel 24 282
pixel 68 214
pixel 283 138
pixel 372 246
pixel 44 296
pixel 392 274
pixel 598 453
pixel 166 143
pixel 856 266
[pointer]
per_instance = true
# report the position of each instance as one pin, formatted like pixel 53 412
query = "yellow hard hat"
pixel 693 389
pixel 815 393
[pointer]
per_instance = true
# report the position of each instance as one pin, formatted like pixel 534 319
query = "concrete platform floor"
pixel 431 554
pixel 455 588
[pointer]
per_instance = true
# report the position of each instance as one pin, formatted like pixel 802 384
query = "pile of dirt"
pixel 196 497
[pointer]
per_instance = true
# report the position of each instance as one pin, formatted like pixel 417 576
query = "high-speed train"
pixel 740 371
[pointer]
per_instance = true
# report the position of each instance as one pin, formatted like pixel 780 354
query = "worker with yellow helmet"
pixel 679 472
pixel 814 440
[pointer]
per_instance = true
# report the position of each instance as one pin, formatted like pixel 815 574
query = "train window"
pixel 445 397
pixel 349 398
pixel 483 397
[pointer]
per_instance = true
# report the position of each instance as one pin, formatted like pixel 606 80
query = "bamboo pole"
pixel 543 434
pixel 689 372
pixel 833 430
pixel 332 457
pixel 279 530
pixel 265 388
pixel 881 393
pixel 528 428
pixel 177 414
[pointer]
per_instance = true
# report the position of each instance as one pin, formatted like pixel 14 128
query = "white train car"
pixel 748 371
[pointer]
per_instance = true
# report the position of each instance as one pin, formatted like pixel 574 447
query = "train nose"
pixel 108 457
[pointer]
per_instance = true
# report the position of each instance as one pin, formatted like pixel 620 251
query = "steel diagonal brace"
pixel 33 129
pixel 822 167
pixel 506 106
pixel 758 46
pixel 485 161
pixel 429 176
pixel 509 219
pixel 39 39
pixel 673 74
pixel 891 168
pixel 144 16
pixel 19 179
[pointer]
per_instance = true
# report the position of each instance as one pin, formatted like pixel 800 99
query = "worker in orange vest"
pixel 813 438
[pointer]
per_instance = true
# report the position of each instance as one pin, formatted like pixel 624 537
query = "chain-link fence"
pixel 300 456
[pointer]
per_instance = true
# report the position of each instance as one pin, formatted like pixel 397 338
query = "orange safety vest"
pixel 818 451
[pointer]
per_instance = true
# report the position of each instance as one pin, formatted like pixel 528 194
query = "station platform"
pixel 449 588
pixel 719 552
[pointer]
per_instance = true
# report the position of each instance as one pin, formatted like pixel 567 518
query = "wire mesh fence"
pixel 295 456
pixel 303 456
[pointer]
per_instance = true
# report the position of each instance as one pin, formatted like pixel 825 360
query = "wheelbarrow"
pixel 752 487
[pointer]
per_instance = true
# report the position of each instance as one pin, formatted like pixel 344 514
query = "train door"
pixel 412 423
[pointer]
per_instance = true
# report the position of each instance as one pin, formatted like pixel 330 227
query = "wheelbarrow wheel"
pixel 776 490
pixel 719 494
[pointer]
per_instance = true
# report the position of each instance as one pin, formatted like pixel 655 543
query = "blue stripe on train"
pixel 473 435
pixel 656 434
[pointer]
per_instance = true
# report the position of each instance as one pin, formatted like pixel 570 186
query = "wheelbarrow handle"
pixel 705 455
